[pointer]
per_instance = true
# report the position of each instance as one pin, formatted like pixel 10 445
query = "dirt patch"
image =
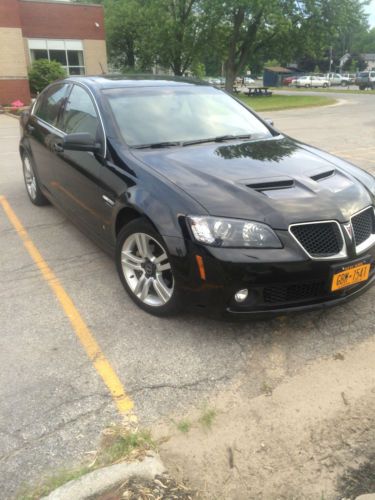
pixel 293 441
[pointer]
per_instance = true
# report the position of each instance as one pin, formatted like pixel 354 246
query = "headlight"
pixel 221 232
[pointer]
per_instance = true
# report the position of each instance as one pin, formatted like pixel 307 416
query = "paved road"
pixel 54 404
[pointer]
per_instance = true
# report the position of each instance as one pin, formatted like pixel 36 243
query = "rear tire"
pixel 145 270
pixel 31 182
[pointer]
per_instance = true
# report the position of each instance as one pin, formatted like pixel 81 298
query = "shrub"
pixel 43 72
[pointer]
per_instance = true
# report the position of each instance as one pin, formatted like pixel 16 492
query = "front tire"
pixel 31 182
pixel 145 270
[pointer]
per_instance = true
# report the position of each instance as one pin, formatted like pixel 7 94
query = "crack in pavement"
pixel 59 260
pixel 54 431
pixel 180 386
pixel 53 409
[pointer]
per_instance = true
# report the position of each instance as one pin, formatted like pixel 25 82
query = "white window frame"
pixel 57 44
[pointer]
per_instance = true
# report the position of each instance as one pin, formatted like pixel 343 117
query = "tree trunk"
pixel 230 75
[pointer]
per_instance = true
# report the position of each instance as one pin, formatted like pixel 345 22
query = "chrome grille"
pixel 363 225
pixel 320 239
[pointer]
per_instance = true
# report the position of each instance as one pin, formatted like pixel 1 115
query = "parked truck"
pixel 365 79
pixel 337 79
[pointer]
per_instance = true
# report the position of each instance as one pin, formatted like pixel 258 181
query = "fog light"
pixel 241 295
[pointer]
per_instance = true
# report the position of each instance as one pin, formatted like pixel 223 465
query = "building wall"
pixel 9 14
pixel 95 54
pixel 14 89
pixel 12 60
pixel 13 69
pixel 60 20
pixel 24 19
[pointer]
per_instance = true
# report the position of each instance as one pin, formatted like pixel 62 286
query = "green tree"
pixel 328 28
pixel 256 30
pixel 180 30
pixel 43 72
pixel 250 31
pixel 123 19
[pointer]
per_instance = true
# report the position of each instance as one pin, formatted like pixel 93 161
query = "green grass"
pixel 53 482
pixel 184 426
pixel 277 102
pixel 117 444
pixel 334 90
pixel 207 418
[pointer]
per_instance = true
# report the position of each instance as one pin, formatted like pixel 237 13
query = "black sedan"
pixel 200 201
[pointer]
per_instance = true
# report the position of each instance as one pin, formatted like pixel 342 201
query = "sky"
pixel 371 10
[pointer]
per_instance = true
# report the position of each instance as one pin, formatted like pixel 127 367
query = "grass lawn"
pixel 276 102
pixel 333 90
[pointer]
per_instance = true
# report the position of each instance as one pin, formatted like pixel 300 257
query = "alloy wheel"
pixel 147 270
pixel 29 178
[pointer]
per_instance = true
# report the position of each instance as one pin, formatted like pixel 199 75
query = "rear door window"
pixel 49 104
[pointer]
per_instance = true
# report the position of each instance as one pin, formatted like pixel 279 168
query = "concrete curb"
pixel 101 480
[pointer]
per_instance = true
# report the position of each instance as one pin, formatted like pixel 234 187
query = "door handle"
pixel 108 201
pixel 58 147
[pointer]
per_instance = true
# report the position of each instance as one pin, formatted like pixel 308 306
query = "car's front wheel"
pixel 31 182
pixel 145 269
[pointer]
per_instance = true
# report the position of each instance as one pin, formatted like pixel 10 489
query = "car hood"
pixel 277 181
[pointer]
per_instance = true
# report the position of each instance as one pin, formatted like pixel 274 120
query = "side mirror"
pixel 269 121
pixel 81 141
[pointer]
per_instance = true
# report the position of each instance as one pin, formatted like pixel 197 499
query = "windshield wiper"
pixel 156 145
pixel 219 138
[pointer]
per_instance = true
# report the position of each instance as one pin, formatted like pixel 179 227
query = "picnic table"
pixel 258 92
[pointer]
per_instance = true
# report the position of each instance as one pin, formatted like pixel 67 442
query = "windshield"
pixel 151 115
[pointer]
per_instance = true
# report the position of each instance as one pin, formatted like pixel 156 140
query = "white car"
pixel 248 80
pixel 337 79
pixel 312 81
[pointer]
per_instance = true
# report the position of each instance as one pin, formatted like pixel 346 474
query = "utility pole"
pixel 330 59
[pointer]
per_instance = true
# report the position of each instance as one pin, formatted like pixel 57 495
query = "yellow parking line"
pixel 123 402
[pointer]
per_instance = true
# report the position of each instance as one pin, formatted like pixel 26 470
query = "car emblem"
pixel 349 230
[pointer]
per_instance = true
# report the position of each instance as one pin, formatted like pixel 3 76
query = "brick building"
pixel 72 34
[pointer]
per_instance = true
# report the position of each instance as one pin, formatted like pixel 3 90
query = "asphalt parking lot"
pixel 54 402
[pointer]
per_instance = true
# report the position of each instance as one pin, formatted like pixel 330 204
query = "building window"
pixel 69 53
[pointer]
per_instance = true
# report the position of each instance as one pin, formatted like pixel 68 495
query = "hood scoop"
pixel 270 185
pixel 323 175
pixel 279 188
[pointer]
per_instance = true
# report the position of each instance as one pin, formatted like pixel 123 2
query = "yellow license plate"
pixel 350 276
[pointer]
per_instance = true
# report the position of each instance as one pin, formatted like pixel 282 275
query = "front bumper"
pixel 279 281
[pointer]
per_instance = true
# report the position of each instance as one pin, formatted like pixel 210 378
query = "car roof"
pixel 121 81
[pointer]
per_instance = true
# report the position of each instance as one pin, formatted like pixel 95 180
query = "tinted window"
pixel 49 103
pixel 80 114
pixel 179 113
